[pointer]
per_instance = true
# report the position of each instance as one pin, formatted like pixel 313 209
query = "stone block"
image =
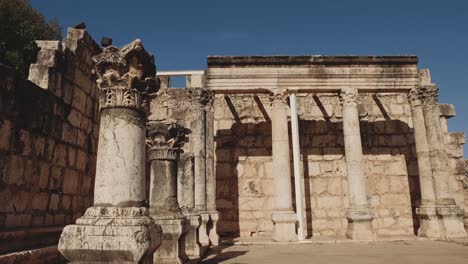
pixel 15 170
pixel 79 100
pixel 330 202
pixel 395 199
pixel 54 202
pixel 71 182
pixel 81 160
pixel 6 127
pixel 74 117
pixel 40 200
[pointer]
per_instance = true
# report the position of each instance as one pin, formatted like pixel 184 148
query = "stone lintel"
pixel 242 61
pixel 447 110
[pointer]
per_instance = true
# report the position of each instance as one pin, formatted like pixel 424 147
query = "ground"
pixel 426 252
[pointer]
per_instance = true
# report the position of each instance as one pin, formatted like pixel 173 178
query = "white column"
pixel 359 214
pixel 429 221
pixel 450 214
pixel 118 229
pixel 283 217
pixel 297 165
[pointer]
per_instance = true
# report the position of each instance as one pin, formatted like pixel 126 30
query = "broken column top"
pixel 129 67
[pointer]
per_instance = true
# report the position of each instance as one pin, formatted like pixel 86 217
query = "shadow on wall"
pixel 318 139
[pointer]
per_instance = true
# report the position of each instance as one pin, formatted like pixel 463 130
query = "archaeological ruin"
pixel 104 160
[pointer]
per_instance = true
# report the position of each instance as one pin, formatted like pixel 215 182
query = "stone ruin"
pixel 99 149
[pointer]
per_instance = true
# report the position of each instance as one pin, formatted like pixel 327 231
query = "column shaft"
pixel 359 214
pixel 283 217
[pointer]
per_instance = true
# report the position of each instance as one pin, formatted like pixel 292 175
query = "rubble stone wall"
pixel 49 131
pixel 244 171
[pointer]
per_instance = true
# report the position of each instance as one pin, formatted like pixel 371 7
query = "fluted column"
pixel 124 77
pixel 429 222
pixel 450 214
pixel 284 218
pixel 200 97
pixel 359 214
pixel 164 141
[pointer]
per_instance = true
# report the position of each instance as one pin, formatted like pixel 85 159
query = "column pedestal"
pixel 203 230
pixel 285 226
pixel 172 249
pixel 213 232
pixel 360 224
pixel 111 235
pixel 194 250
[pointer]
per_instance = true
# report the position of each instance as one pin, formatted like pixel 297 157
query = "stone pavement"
pixel 426 252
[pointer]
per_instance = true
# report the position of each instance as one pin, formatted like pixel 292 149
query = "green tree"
pixel 20 26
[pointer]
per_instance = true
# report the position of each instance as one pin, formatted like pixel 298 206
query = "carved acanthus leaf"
pixel 201 96
pixel 279 97
pixel 166 138
pixel 428 94
pixel 349 96
pixel 125 75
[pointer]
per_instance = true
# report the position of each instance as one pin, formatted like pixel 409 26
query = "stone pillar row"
pixel 440 216
pixel 118 228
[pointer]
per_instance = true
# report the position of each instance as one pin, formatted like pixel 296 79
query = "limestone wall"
pixel 49 130
pixel 243 163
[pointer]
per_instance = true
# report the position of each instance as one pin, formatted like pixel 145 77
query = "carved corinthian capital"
pixel 349 96
pixel 125 76
pixel 414 97
pixel 200 97
pixel 279 97
pixel 164 140
pixel 428 94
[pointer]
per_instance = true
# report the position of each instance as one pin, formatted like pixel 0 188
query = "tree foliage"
pixel 20 26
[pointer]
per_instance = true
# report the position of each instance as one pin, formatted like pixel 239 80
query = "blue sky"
pixel 182 33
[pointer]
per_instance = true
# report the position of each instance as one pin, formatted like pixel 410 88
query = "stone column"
pixel 164 140
pixel 283 217
pixel 118 229
pixel 186 197
pixel 199 97
pixel 210 175
pixel 429 222
pixel 359 214
pixel 450 215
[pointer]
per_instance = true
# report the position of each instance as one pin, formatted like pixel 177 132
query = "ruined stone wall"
pixel 243 163
pixel 49 131
pixel 173 105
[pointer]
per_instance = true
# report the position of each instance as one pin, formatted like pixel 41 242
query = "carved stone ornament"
pixel 465 177
pixel 200 96
pixel 414 97
pixel 165 140
pixel 125 76
pixel 279 97
pixel 429 94
pixel 349 97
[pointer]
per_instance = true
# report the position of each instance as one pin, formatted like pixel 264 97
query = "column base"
pixel 213 232
pixel 172 249
pixel 451 217
pixel 429 222
pixel 203 230
pixel 194 250
pixel 360 224
pixel 111 235
pixel 284 226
